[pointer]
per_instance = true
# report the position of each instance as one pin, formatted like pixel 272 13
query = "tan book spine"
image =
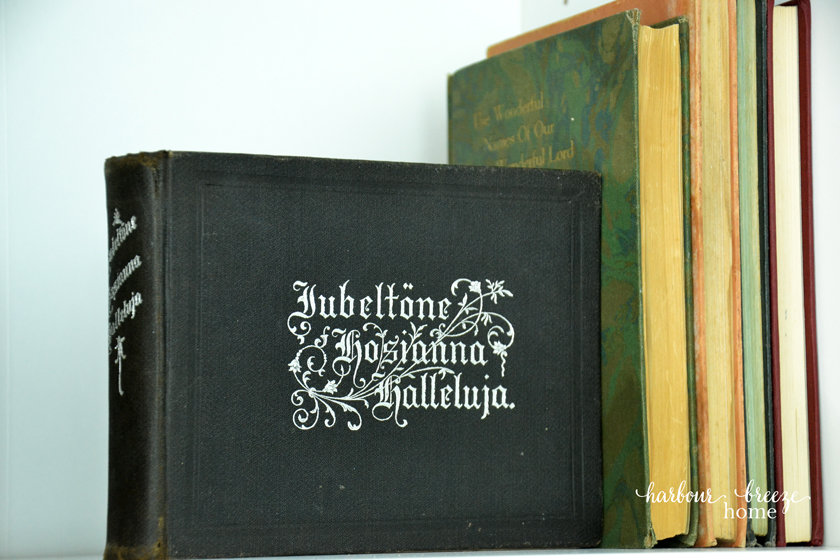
pixel 737 350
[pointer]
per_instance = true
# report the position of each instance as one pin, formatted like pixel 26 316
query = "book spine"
pixel 705 532
pixel 804 13
pixel 136 472
pixel 735 283
pixel 690 537
pixel 762 77
pixel 774 311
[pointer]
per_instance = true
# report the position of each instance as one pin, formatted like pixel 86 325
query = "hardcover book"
pixel 715 247
pixel 591 98
pixel 755 265
pixel 315 356
pixel 793 298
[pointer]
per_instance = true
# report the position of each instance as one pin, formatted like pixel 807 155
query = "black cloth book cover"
pixel 314 356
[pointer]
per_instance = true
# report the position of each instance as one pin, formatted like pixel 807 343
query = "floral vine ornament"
pixel 389 371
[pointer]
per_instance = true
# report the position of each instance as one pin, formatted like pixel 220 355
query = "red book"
pixel 809 299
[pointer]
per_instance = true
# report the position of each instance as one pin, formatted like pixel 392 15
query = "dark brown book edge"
pixel 811 367
pixel 136 386
pixel 774 306
pixel 762 75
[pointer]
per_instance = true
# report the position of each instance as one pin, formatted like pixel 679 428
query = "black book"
pixel 314 356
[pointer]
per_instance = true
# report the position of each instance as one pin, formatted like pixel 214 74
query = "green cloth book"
pixel 571 102
pixel 752 180
pixel 690 537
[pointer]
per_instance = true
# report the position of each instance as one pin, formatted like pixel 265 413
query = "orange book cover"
pixel 654 12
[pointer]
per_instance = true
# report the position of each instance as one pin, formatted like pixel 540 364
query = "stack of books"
pixel 595 328
pixel 697 115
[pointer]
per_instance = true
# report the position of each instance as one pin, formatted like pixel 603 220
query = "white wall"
pixel 825 83
pixel 536 13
